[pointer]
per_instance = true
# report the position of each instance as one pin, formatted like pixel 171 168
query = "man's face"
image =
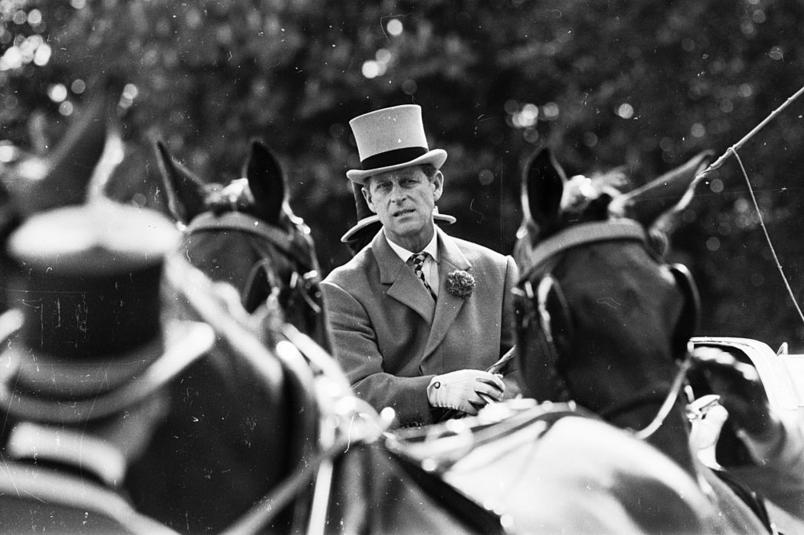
pixel 403 199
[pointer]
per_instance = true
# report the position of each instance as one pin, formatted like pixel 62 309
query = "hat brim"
pixel 436 157
pixel 375 220
pixel 99 388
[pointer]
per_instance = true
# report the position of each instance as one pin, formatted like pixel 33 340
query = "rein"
pixel 544 256
pixel 668 402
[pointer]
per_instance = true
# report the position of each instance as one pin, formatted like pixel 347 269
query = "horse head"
pixel 244 232
pixel 84 157
pixel 602 319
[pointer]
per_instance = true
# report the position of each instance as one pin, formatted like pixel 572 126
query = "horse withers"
pixel 603 320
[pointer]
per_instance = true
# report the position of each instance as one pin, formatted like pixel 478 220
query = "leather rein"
pixel 543 258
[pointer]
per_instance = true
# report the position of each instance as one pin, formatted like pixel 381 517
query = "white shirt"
pixel 430 267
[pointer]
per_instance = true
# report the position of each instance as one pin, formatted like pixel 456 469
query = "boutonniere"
pixel 460 283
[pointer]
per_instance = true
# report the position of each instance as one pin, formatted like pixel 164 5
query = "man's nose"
pixel 397 192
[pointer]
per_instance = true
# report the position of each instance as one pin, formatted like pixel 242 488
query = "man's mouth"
pixel 403 212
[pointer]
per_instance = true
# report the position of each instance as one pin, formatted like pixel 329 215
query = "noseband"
pixel 539 299
pixel 304 280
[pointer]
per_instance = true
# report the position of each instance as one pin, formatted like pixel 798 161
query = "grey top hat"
pixel 391 138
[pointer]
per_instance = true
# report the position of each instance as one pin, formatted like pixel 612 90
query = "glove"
pixel 740 389
pixel 465 390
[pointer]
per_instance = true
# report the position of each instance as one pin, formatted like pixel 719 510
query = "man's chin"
pixel 405 230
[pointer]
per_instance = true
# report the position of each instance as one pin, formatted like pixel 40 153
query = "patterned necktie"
pixel 417 259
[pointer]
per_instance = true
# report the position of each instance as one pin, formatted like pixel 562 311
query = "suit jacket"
pixel 391 338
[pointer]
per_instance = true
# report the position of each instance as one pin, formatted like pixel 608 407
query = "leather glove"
pixel 465 390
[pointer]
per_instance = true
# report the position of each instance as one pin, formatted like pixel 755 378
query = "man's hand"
pixel 465 390
pixel 740 389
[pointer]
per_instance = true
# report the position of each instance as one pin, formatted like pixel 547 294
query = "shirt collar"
pixel 404 254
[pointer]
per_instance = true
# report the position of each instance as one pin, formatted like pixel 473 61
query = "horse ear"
pixel 266 181
pixel 69 167
pixel 542 187
pixel 670 192
pixel 185 191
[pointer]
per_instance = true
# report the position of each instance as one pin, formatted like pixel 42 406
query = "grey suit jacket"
pixel 391 338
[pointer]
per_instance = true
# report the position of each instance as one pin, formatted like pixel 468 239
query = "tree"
pixel 643 85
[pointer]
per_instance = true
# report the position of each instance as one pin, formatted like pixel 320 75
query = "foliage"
pixel 644 84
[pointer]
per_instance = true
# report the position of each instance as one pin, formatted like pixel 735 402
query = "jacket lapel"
pixel 402 282
pixel 450 258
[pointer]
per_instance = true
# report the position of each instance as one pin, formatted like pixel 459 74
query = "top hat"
pixel 89 292
pixel 391 138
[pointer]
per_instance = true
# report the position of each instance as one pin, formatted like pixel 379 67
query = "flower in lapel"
pixel 460 283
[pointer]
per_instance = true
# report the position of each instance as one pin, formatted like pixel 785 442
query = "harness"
pixel 540 300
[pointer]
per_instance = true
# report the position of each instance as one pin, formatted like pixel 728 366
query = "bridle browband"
pixel 244 222
pixel 583 234
pixel 542 258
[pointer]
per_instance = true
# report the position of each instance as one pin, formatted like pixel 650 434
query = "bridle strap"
pixel 582 234
pixel 244 222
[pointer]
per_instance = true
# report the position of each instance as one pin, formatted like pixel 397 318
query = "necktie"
pixel 417 260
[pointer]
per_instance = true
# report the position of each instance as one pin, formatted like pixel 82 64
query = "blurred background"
pixel 644 85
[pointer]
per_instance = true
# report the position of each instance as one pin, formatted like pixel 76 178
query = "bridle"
pixel 539 299
pixel 305 278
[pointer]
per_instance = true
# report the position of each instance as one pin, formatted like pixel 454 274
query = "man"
pixel 77 411
pixel 416 332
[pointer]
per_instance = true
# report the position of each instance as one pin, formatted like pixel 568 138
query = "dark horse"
pixel 243 232
pixel 604 321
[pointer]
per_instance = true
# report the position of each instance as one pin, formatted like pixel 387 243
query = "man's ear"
pixel 438 184
pixel 366 195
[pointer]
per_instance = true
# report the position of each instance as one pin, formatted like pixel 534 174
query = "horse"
pixel 244 233
pixel 605 322
pixel 31 182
